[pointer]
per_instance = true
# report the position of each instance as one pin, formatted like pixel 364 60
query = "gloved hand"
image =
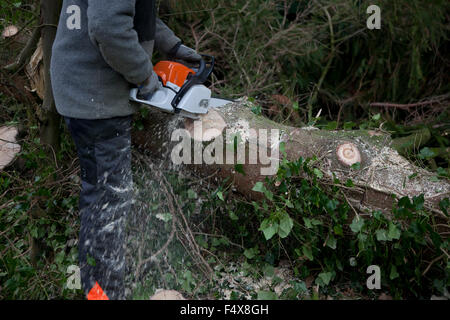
pixel 148 87
pixel 184 53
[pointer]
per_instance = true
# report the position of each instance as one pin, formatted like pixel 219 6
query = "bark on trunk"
pixel 50 120
pixel 382 171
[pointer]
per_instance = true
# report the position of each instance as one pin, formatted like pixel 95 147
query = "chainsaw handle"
pixel 204 72
pixel 199 77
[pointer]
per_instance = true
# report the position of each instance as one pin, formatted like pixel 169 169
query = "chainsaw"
pixel 182 89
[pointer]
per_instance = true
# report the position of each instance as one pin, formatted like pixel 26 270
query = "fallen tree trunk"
pixel 381 171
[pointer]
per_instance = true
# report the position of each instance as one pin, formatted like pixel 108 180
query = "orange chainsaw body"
pixel 172 72
pixel 183 91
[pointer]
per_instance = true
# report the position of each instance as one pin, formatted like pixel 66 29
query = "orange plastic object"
pixel 173 72
pixel 97 293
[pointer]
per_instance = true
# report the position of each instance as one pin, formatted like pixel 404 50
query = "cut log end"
pixel 207 128
pixel 348 154
pixel 9 32
pixel 8 148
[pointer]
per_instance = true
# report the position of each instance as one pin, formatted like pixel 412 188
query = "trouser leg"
pixel 104 151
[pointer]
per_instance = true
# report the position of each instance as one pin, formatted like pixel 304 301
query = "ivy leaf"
pixel 357 224
pixel 434 179
pixel 338 230
pixel 356 166
pixel 283 150
pixel 442 172
pixel 259 187
pixel 269 271
pixel 34 232
pixel 266 295
pixel 268 194
pixel 192 194
pixel 394 274
pixel 331 242
pixel 308 253
pixel 325 277
pixel 307 223
pixel 256 109
pixel 250 253
pixel 166 217
pixel 381 235
pixel 331 205
pixel 362 241
pixel 220 195
pixel 310 223
pixel 318 173
pixel 349 125
pixel 300 287
pixel 269 228
pixel 59 257
pixel 289 204
pixel 418 202
pixel 394 232
pixel 316 222
pixel 188 281
pixel 233 216
pixel 426 153
pixel 286 225
pixel 332 125
pixel 378 215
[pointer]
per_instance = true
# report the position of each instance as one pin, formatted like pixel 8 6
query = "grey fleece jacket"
pixel 97 58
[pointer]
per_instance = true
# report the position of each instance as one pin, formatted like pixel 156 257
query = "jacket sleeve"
pixel 165 39
pixel 110 26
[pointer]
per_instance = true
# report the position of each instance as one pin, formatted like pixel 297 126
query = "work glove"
pixel 148 87
pixel 184 53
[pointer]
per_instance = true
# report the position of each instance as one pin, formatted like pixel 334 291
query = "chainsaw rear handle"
pixel 203 73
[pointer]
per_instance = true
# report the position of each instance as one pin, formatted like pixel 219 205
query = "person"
pixel 102 49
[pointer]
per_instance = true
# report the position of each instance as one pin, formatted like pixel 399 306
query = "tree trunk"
pixel 50 120
pixel 380 173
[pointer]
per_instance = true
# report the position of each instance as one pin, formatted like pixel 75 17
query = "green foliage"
pixel 317 230
pixel 38 225
pixel 17 12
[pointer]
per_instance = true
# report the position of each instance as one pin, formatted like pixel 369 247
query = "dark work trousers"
pixel 104 152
